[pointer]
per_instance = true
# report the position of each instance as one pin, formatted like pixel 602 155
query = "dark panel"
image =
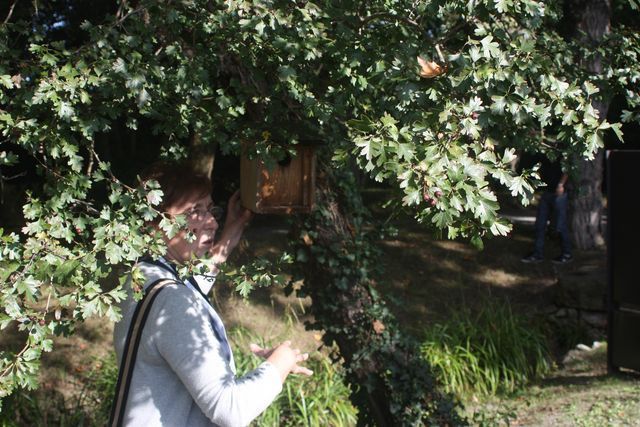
pixel 624 226
pixel 623 243
pixel 624 345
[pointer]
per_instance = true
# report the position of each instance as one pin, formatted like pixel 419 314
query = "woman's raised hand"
pixel 237 215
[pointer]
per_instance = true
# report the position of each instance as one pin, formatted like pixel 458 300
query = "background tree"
pixel 432 97
pixel 587 25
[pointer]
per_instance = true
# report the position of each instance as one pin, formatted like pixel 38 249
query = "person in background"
pixel 184 373
pixel 553 201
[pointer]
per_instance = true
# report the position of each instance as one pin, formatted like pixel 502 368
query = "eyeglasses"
pixel 199 213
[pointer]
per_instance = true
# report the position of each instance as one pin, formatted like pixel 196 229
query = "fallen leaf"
pixel 378 326
pixel 307 239
pixel 17 80
pixel 429 69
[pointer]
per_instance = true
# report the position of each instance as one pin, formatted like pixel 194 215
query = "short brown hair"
pixel 179 182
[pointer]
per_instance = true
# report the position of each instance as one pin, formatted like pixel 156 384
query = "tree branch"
pixel 378 15
pixel 7 178
pixel 10 11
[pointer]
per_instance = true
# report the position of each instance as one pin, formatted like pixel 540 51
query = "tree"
pixel 592 23
pixel 432 97
pixel 588 25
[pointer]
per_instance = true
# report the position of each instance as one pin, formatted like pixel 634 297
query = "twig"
pixel 7 178
pixel 113 177
pixel 91 157
pixel 46 309
pixel 133 12
pixel 440 55
pixel 48 168
pixel 453 31
pixel 123 4
pixel 10 11
pixel 8 368
pixel 388 15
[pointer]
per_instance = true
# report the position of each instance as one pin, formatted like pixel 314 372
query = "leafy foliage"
pixel 88 405
pixel 272 73
pixel 259 272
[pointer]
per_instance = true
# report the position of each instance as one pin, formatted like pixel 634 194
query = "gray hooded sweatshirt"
pixel 184 373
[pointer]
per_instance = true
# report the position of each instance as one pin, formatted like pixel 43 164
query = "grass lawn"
pixel 578 394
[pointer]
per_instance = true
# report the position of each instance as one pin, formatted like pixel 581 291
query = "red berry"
pixel 433 202
pixel 438 193
pixel 41 322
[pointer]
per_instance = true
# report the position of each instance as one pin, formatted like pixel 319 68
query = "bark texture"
pixel 391 384
pixel 588 21
pixel 202 156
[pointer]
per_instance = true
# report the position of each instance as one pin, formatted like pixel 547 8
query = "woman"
pixel 184 374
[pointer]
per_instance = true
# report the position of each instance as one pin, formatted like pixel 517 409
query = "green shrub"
pixel 87 405
pixel 488 352
pixel 319 400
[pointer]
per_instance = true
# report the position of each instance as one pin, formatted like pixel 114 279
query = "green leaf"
pixel 499 104
pixel 489 47
pixel 6 81
pixel 508 156
pixel 388 121
pixel 591 88
pixel 442 219
pixel 500 228
pixel 113 253
pixel 617 129
pixel 47 345
pixel 6 268
pixel 477 242
pixel 154 197
pixel 365 148
pixel 286 73
pixel 405 151
pixel 456 203
pixel 65 110
pixel 244 288
pixel 5 321
pixel 470 127
pixel 28 287
pixel 66 269
pixel 412 197
pixel 502 6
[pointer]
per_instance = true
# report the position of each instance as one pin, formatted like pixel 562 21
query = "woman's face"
pixel 201 222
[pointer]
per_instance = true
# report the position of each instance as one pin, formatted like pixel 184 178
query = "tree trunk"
pixel 589 21
pixel 202 156
pixel 391 383
pixel 585 212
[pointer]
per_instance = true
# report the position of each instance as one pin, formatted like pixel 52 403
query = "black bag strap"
pixel 131 349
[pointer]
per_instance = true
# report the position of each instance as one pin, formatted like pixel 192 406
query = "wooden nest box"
pixel 286 188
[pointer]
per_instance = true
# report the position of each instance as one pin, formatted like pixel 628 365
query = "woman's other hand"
pixel 285 359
